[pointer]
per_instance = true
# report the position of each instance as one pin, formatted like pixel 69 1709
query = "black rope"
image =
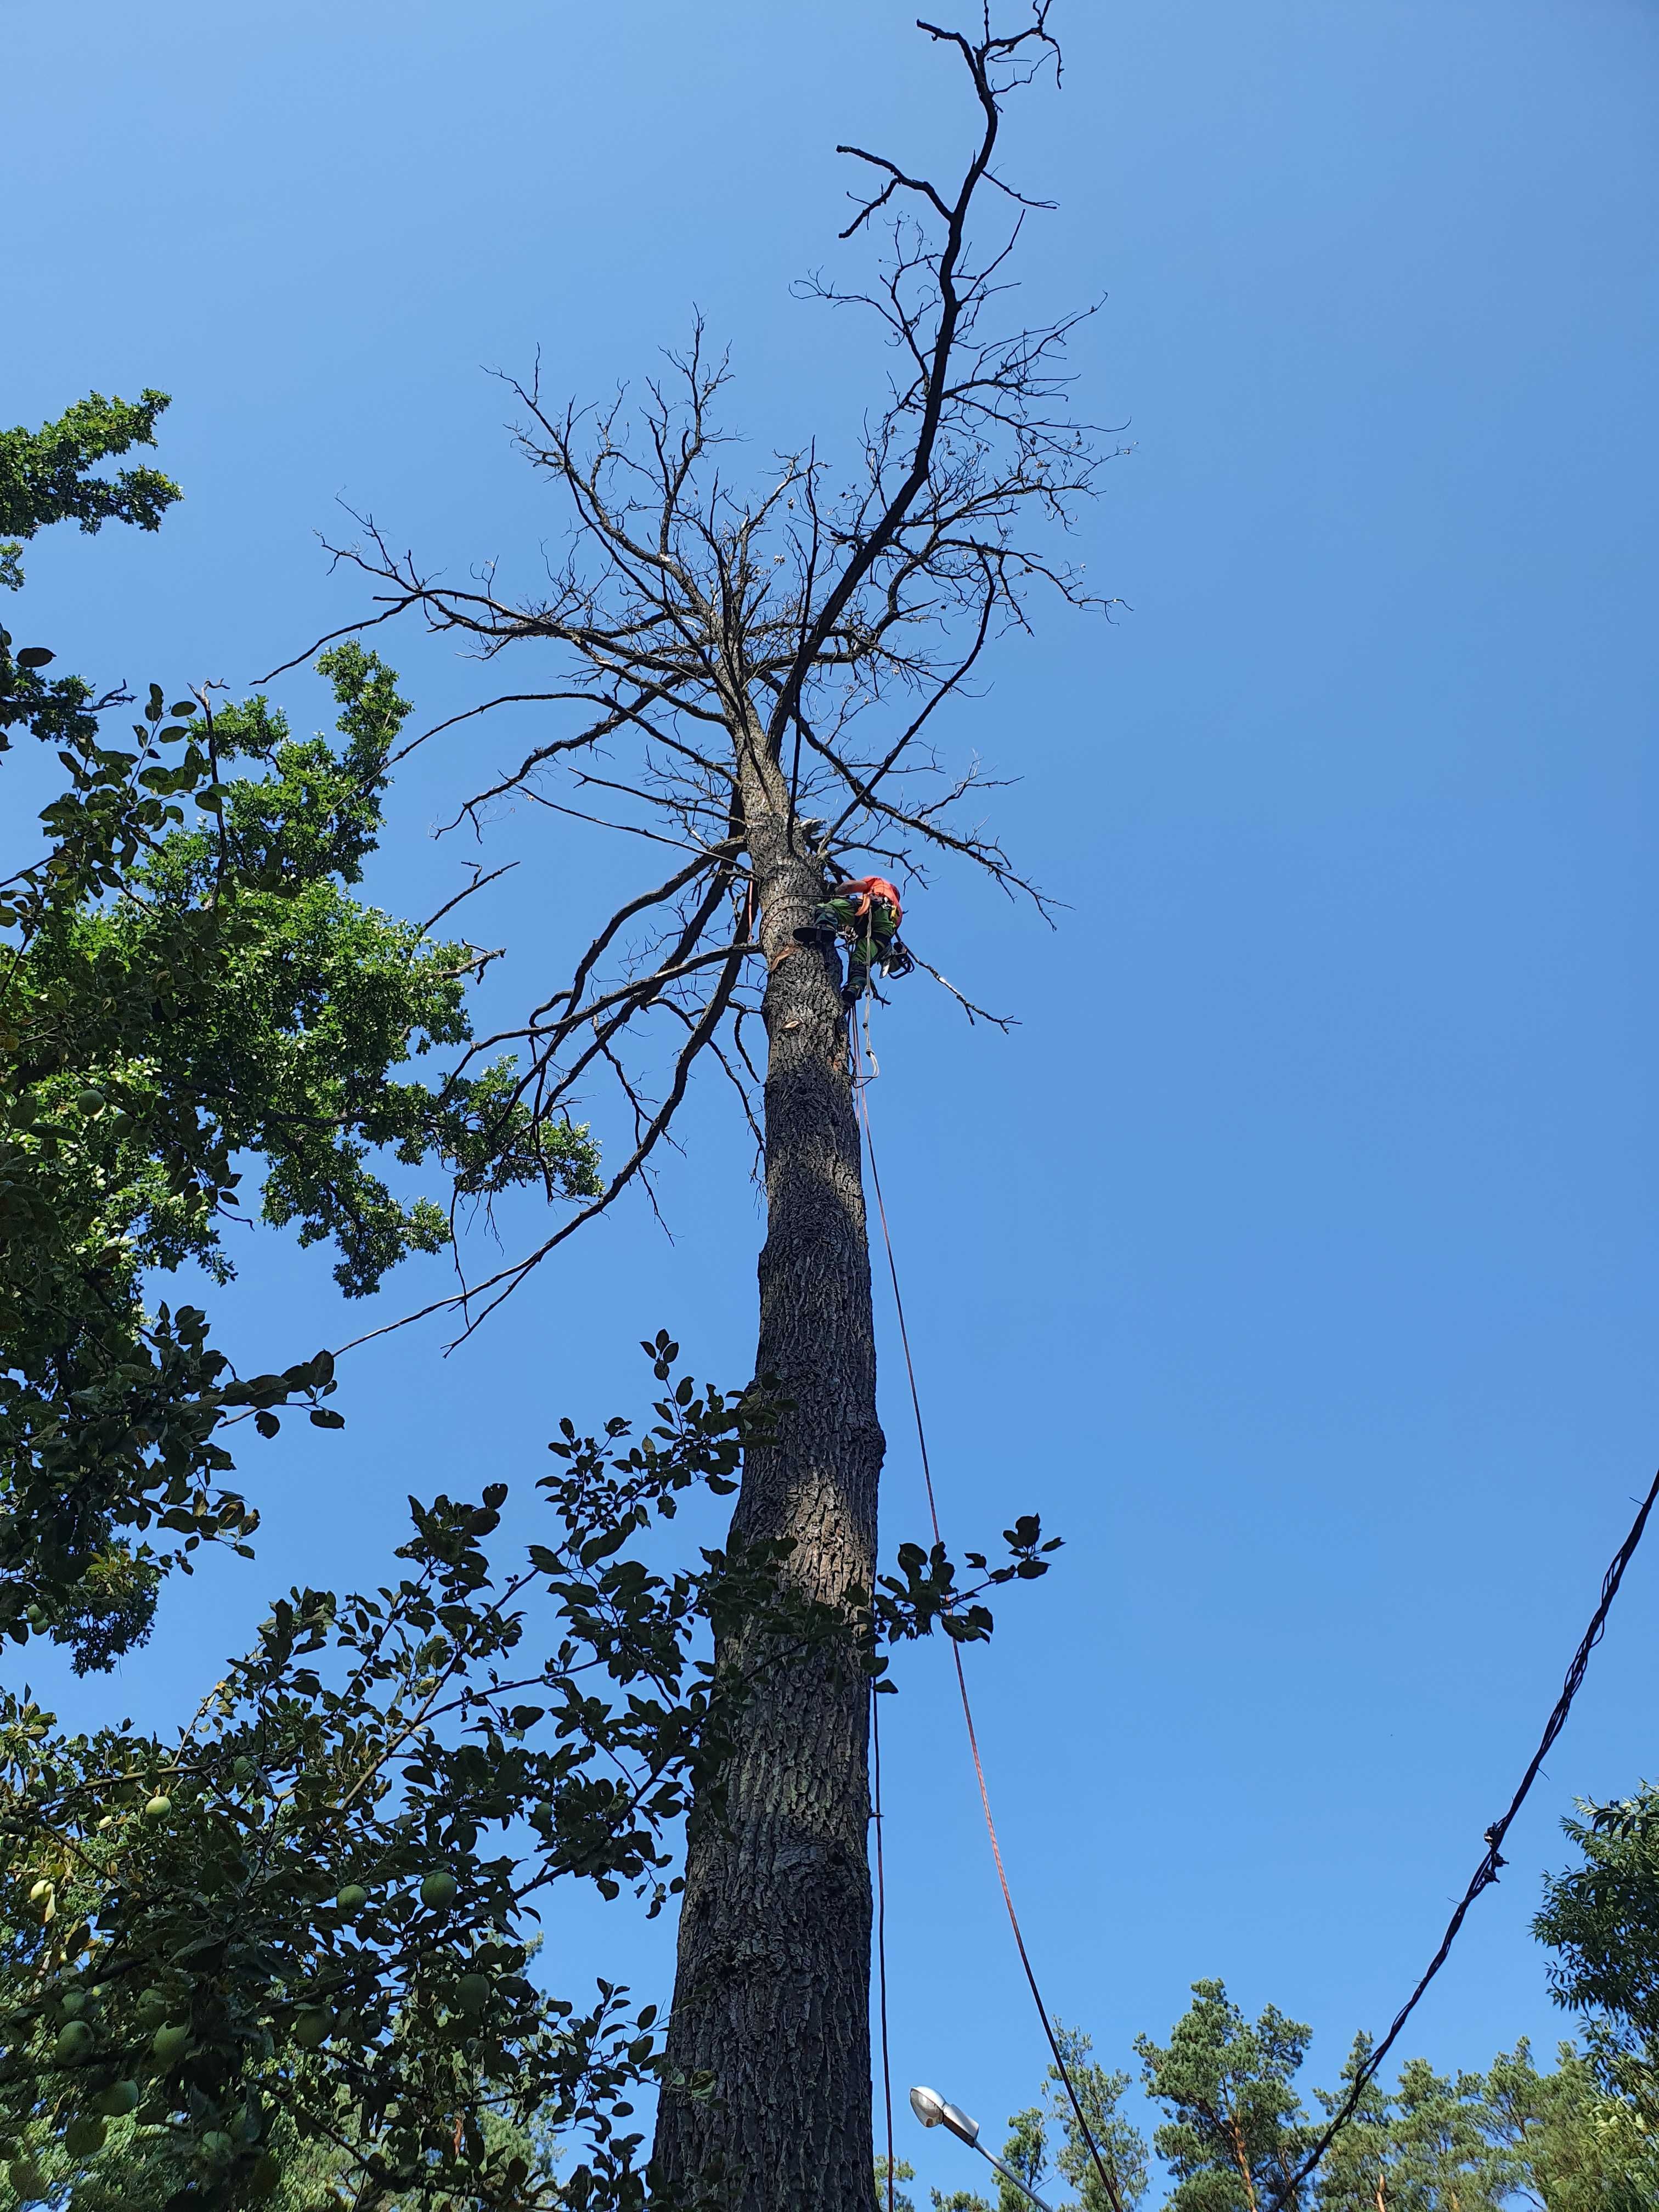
pixel 794 784
pixel 1486 1872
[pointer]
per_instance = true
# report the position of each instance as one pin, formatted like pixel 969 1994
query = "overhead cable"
pixel 1486 1872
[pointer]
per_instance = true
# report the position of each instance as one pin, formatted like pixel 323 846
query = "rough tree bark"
pixel 755 647
pixel 773 1989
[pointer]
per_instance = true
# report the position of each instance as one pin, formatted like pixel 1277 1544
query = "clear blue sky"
pixel 1295 1257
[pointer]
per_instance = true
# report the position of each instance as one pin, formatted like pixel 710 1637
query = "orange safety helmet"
pixel 872 887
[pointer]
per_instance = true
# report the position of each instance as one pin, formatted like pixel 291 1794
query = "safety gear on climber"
pixel 866 912
pixel 866 889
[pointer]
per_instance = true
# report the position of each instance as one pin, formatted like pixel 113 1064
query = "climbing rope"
pixel 1108 2182
pixel 1484 1874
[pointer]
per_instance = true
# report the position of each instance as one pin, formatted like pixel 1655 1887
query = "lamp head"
pixel 931 2109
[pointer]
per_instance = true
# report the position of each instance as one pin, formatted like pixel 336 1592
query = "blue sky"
pixel 1295 1256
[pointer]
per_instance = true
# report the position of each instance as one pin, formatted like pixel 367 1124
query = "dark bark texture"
pixel 775 656
pixel 772 1994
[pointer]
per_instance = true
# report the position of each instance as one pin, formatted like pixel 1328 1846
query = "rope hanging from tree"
pixel 1484 1874
pixel 1108 2180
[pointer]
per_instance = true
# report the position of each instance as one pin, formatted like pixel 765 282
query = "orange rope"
pixel 1061 2067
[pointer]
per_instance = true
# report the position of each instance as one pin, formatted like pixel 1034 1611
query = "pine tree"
pixel 1237 2128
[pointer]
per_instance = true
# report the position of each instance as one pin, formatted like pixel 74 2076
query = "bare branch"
pixel 477 884
pixel 752 670
pixel 1002 1022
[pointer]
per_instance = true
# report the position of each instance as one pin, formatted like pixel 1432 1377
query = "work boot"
pixel 818 933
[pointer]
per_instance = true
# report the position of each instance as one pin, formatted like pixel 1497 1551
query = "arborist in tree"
pixel 864 914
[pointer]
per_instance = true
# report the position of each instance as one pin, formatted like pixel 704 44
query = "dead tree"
pixel 745 681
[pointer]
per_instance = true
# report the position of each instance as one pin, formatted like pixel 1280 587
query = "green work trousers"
pixel 868 937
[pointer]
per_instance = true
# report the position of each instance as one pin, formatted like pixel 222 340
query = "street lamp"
pixel 931 2109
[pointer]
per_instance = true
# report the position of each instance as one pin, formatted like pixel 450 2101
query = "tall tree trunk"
pixel 772 1994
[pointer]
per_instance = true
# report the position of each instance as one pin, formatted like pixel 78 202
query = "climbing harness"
pixel 865 915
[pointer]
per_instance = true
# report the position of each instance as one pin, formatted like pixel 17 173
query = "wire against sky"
pixel 1484 1874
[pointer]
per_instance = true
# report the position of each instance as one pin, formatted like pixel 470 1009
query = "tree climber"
pixel 865 914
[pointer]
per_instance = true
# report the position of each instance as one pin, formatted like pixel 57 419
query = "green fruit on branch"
pixel 85 2136
pixel 158 1808
pixel 119 2100
pixel 74 2040
pixel 439 1890
pixel 311 2029
pixel 170 2043
pixel 352 1897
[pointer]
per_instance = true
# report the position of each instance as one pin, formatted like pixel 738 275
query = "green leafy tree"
pixel 1237 2128
pixel 143 2169
pixel 1046 2147
pixel 1026 2153
pixel 45 474
pixel 1570 2145
pixel 186 981
pixel 1601 1917
pixel 312 1912
pixel 1354 2172
pixel 1443 2160
pixel 1121 2144
pixel 745 673
pixel 896 2196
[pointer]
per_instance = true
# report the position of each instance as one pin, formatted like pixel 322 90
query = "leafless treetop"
pixel 719 650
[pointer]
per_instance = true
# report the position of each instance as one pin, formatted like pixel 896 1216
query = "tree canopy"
pixel 45 474
pixel 188 983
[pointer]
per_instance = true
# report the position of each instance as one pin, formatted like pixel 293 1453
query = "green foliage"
pixel 903 2171
pixel 1566 2141
pixel 1602 1919
pixel 1047 2150
pixel 1122 2146
pixel 180 994
pixel 1026 2153
pixel 316 1908
pixel 1582 2138
pixel 1360 2158
pixel 44 474
pixel 1601 1916
pixel 186 982
pixel 1237 2127
pixel 504 1726
pixel 145 2169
